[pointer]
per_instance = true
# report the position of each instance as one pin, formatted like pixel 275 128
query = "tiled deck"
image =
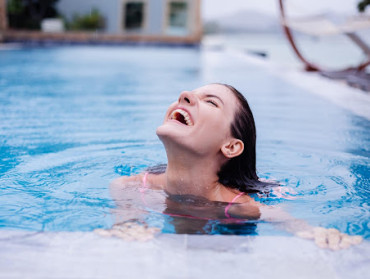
pixel 88 255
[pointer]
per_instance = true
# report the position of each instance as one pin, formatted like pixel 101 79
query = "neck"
pixel 192 174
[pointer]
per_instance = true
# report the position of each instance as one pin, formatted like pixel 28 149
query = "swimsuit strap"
pixel 144 180
pixel 230 204
pixel 144 188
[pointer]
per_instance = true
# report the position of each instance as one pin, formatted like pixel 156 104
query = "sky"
pixel 211 9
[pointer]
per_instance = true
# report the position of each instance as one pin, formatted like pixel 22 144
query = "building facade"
pixel 180 18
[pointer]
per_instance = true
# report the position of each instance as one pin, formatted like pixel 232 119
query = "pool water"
pixel 74 118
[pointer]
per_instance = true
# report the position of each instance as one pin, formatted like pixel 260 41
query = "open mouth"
pixel 182 116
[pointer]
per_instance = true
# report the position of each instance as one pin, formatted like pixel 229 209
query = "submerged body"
pixel 196 215
pixel 240 207
pixel 210 140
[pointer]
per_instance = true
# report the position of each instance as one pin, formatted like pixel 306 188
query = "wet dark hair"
pixel 240 172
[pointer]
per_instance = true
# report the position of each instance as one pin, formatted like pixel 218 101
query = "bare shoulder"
pixel 247 208
pixel 155 181
pixel 247 199
pixel 124 181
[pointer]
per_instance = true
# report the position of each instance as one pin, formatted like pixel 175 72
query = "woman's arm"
pixel 324 238
pixel 123 190
pixel 123 182
pixel 128 223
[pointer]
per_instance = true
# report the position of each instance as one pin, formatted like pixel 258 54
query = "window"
pixel 178 18
pixel 134 16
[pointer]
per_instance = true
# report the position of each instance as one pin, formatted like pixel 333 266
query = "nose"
pixel 186 97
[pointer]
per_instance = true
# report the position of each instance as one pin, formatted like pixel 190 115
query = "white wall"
pixel 112 10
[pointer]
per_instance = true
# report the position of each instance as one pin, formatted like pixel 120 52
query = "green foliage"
pixel 15 7
pixel 362 5
pixel 88 22
pixel 26 14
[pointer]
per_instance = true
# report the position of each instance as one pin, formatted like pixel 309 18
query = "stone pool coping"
pixel 89 255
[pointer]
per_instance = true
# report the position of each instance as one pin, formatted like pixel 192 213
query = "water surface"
pixel 74 118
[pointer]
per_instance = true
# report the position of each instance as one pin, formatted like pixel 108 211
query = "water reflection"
pixel 181 214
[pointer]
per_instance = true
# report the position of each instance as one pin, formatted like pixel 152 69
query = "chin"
pixel 161 131
pixel 180 139
pixel 168 133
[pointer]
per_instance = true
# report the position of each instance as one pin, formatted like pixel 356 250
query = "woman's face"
pixel 200 120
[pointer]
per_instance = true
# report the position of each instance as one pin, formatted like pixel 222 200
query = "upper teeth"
pixel 183 113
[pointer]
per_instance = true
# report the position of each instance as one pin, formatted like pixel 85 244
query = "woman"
pixel 210 139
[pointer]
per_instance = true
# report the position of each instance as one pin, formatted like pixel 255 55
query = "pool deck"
pixel 338 92
pixel 88 255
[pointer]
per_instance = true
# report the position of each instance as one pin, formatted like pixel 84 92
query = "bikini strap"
pixel 145 179
pixel 230 204
pixel 144 188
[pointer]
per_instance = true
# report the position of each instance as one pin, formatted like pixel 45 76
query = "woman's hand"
pixel 324 238
pixel 330 238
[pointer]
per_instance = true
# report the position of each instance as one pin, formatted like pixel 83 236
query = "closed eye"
pixel 212 103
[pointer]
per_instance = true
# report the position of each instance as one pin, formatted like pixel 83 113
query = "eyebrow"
pixel 214 96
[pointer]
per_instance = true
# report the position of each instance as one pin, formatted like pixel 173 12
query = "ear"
pixel 233 148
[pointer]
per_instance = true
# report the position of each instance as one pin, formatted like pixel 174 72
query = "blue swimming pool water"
pixel 74 118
